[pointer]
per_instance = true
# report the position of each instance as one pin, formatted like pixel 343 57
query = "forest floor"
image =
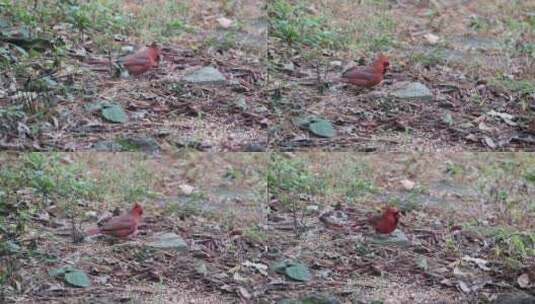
pixel 466 232
pixel 461 75
pixel 52 98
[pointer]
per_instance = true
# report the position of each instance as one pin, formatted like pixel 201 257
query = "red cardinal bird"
pixel 387 222
pixel 368 76
pixel 120 226
pixel 142 60
pixel 136 64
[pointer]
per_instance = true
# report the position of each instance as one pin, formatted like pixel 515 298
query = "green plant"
pixel 297 27
pixel 290 181
pixel 255 234
pixel 514 245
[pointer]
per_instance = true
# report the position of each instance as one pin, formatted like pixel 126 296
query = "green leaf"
pixel 322 128
pixel 447 119
pixel 58 272
pixel 77 278
pixel 421 262
pixel 94 106
pixel 114 113
pixel 280 266
pixel 298 272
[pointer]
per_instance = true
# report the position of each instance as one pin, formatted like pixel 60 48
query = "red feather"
pixel 387 222
pixel 120 226
pixel 142 60
pixel 368 76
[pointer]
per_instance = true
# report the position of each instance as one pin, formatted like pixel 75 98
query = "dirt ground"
pixel 475 57
pixel 55 101
pixel 445 138
pixel 465 234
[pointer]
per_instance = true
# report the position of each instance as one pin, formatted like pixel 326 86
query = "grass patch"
pixel 290 182
pixel 301 25
pixel 521 87
pixel 28 186
pixel 295 25
pixel 510 245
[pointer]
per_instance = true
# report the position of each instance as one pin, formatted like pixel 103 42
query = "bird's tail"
pixel 92 231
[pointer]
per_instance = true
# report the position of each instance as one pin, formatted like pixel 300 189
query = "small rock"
pixel 412 90
pixel 396 238
pixel 205 75
pixel 224 22
pixel 186 189
pixel 168 240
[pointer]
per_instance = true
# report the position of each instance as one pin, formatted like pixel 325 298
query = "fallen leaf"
pixel 431 38
pixel 408 184
pixel 523 280
pixel 481 263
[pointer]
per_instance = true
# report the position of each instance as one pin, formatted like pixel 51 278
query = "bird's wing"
pixel 373 220
pixel 119 223
pixel 359 73
pixel 135 60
